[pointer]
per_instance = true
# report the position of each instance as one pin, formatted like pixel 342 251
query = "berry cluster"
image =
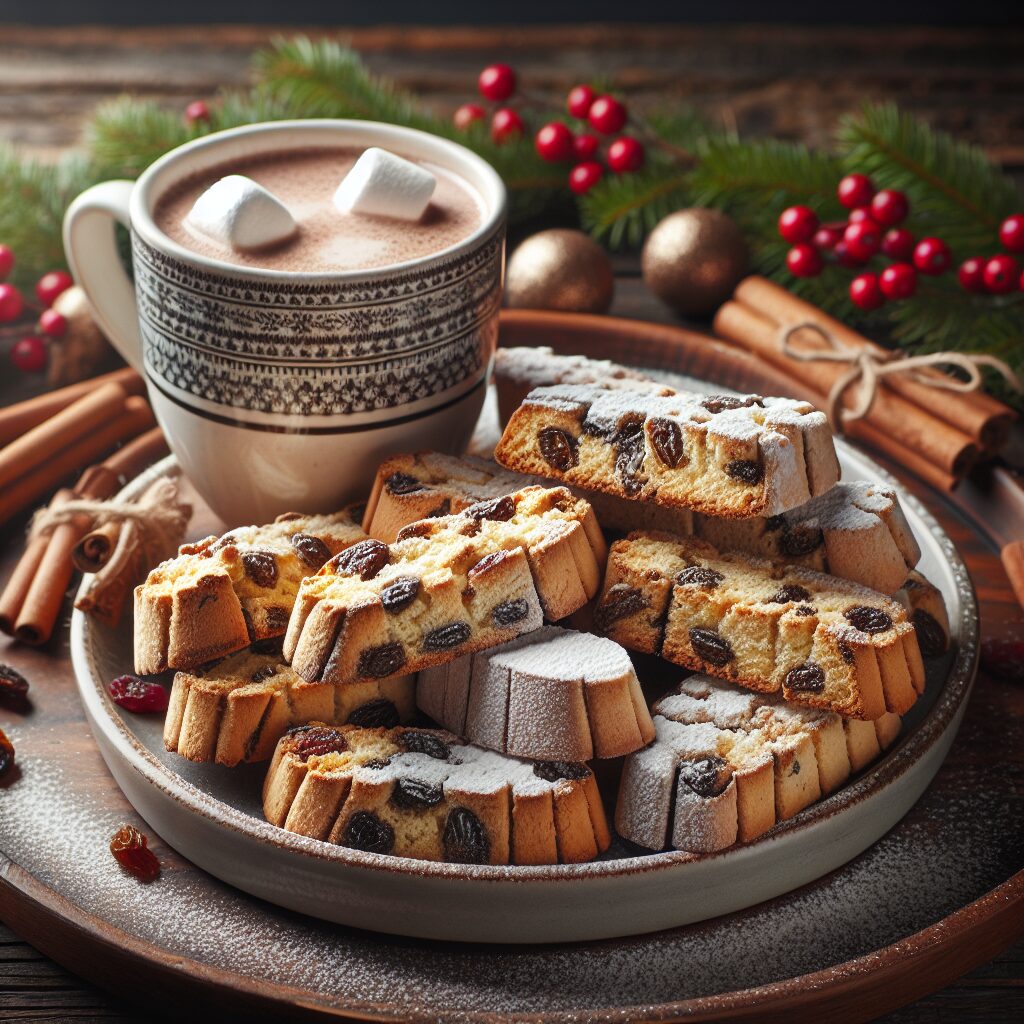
pixel 29 353
pixel 872 229
pixel 555 141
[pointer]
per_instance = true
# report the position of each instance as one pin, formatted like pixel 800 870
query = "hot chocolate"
pixel 326 240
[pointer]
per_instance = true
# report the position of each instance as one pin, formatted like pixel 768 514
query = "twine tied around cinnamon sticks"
pixel 868 368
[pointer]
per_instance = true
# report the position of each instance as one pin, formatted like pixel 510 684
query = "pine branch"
pixel 125 136
pixel 622 209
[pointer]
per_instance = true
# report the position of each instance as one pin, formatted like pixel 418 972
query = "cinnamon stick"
pixel 896 426
pixel 93 551
pixel 1012 557
pixel 131 419
pixel 983 418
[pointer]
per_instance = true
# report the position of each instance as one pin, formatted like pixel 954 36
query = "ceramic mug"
pixel 278 390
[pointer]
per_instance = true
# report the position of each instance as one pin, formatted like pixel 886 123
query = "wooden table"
pixel 790 82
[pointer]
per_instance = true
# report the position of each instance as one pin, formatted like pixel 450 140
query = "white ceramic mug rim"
pixel 450 154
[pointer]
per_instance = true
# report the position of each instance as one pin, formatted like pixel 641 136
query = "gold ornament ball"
pixel 560 269
pixel 694 259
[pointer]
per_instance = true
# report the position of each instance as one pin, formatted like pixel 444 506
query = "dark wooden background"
pixel 791 82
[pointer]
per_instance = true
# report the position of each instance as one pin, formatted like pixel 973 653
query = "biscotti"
pixel 517 371
pixel 222 593
pixel 237 710
pixel 823 642
pixel 714 454
pixel 553 694
pixel 924 601
pixel 420 793
pixel 727 765
pixel 447 587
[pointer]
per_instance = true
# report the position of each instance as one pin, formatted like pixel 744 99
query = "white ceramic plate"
pixel 212 814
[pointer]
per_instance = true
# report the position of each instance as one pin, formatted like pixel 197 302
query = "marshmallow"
pixel 241 213
pixel 385 185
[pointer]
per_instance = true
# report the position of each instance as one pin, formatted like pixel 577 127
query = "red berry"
pixel 583 177
pixel 607 115
pixel 1011 234
pixel 467 114
pixel 52 324
pixel 865 292
pixel 798 224
pixel 554 142
pixel 889 207
pixel 585 146
pixel 50 285
pixel 1001 275
pixel 6 260
pixel 506 124
pixel 197 111
pixel 804 260
pixel 898 281
pixel 855 190
pixel 131 850
pixel 828 236
pixel 29 354
pixel 862 240
pixel 580 100
pixel 138 695
pixel 932 256
pixel 497 82
pixel 898 244
pixel 861 213
pixel 625 154
pixel 971 274
pixel 11 303
pixel 844 257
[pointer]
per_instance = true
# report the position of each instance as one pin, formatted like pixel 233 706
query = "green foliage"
pixel 622 209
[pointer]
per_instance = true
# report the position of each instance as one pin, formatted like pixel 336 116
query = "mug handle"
pixel 91 248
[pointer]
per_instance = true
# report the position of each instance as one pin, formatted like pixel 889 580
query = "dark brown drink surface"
pixel 305 181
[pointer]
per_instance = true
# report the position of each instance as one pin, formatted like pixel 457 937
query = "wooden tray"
pixel 942 892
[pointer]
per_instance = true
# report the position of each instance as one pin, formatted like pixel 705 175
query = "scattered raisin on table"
pixel 6 754
pixel 130 849
pixel 138 695
pixel 13 688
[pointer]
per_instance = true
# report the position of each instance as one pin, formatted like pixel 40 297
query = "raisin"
pixel 629 457
pixel 13 687
pixel 807 678
pixel 375 714
pixel 357 512
pixel 745 471
pixel 261 568
pixel 707 777
pixel 806 609
pixel 509 612
pixel 402 483
pixel 465 841
pixel 376 763
pixel 868 619
pixel 306 741
pixel 799 541
pixel 790 592
pixel 487 563
pixel 400 594
pixel 419 529
pixel 444 638
pixel 552 771
pixel 138 695
pixel 846 651
pixel 269 645
pixel 773 523
pixel 416 795
pixel 277 619
pixel 6 754
pixel 619 602
pixel 364 559
pixel 500 510
pixel 557 447
pixel 131 850
pixel 263 673
pixel 719 403
pixel 710 646
pixel 312 551
pixel 383 660
pixel 425 743
pixel 443 509
pixel 930 635
pixel 470 528
pixel 366 832
pixel 699 576
pixel 667 441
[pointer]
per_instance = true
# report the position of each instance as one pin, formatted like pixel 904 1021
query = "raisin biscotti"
pixel 823 642
pixel 238 709
pixel 447 587
pixel 222 593
pixel 553 694
pixel 419 793
pixel 727 765
pixel 715 454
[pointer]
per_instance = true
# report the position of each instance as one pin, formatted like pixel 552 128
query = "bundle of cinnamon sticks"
pixel 45 440
pixel 938 434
